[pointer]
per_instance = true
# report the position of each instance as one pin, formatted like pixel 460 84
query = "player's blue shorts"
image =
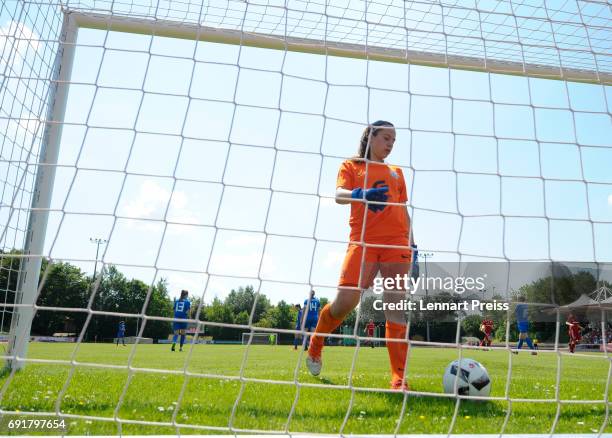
pixel 311 324
pixel 523 326
pixel 179 325
pixel 121 334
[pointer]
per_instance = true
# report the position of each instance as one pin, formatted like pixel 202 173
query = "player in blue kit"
pixel 121 333
pixel 298 326
pixel 311 309
pixel 522 322
pixel 181 311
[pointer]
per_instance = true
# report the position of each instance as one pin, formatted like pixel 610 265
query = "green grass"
pixel 209 401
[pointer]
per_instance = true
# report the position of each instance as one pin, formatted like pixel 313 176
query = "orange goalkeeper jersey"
pixel 388 226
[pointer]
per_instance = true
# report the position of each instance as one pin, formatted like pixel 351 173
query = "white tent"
pixel 581 302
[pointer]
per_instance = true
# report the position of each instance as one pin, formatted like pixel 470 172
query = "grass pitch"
pixel 210 401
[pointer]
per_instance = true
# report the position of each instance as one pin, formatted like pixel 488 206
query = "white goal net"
pixel 153 147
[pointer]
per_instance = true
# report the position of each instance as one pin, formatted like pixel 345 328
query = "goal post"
pixel 174 29
pixel 31 261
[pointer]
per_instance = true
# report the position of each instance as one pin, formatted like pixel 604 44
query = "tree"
pixel 367 310
pixel 324 301
pixel 281 316
pixel 471 325
pixel 350 319
pixel 65 286
pixel 159 305
pixel 118 294
pixel 584 283
pixel 217 311
pixel 242 318
pixel 497 316
pixel 562 288
pixel 241 300
pixel 9 273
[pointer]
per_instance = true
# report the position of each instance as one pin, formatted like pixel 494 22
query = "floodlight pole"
pixel 98 241
pixel 29 272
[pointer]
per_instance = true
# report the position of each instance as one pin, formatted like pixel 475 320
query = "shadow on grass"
pixel 430 403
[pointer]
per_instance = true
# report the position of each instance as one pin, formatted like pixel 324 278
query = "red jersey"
pixel 370 328
pixel 574 329
pixel 487 326
pixel 381 226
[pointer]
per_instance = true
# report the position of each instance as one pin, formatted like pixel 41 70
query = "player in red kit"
pixel 573 331
pixel 370 330
pixel 487 328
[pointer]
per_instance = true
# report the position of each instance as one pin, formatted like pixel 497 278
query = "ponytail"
pixel 370 130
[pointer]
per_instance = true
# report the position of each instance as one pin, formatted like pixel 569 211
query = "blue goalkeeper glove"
pixel 414 267
pixel 377 194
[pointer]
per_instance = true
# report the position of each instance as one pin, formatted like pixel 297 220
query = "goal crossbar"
pixel 176 29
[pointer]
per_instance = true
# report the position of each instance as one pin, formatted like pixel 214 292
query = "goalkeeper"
pixel 372 222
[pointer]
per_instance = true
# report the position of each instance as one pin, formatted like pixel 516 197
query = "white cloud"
pixel 610 199
pixel 243 265
pixel 179 199
pixel 237 253
pixel 151 199
pixel 19 41
pixel 333 259
pixel 180 212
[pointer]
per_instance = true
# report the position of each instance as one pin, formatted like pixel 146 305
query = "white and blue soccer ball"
pixel 472 378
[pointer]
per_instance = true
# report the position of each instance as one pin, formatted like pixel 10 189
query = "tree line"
pixel 67 286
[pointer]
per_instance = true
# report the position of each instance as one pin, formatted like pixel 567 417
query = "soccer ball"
pixel 472 378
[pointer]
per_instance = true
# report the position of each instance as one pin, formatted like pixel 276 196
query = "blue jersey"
pixel 312 308
pixel 121 329
pixel 181 308
pixel 521 313
pixel 298 323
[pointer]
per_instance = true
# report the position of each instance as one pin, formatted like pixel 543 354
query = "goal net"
pixel 149 148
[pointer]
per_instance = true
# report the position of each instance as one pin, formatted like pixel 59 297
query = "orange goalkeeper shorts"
pixel 351 267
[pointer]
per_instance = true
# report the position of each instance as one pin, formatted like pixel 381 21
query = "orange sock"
pixel 327 324
pixel 397 350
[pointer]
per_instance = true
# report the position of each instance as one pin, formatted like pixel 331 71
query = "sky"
pixel 205 163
